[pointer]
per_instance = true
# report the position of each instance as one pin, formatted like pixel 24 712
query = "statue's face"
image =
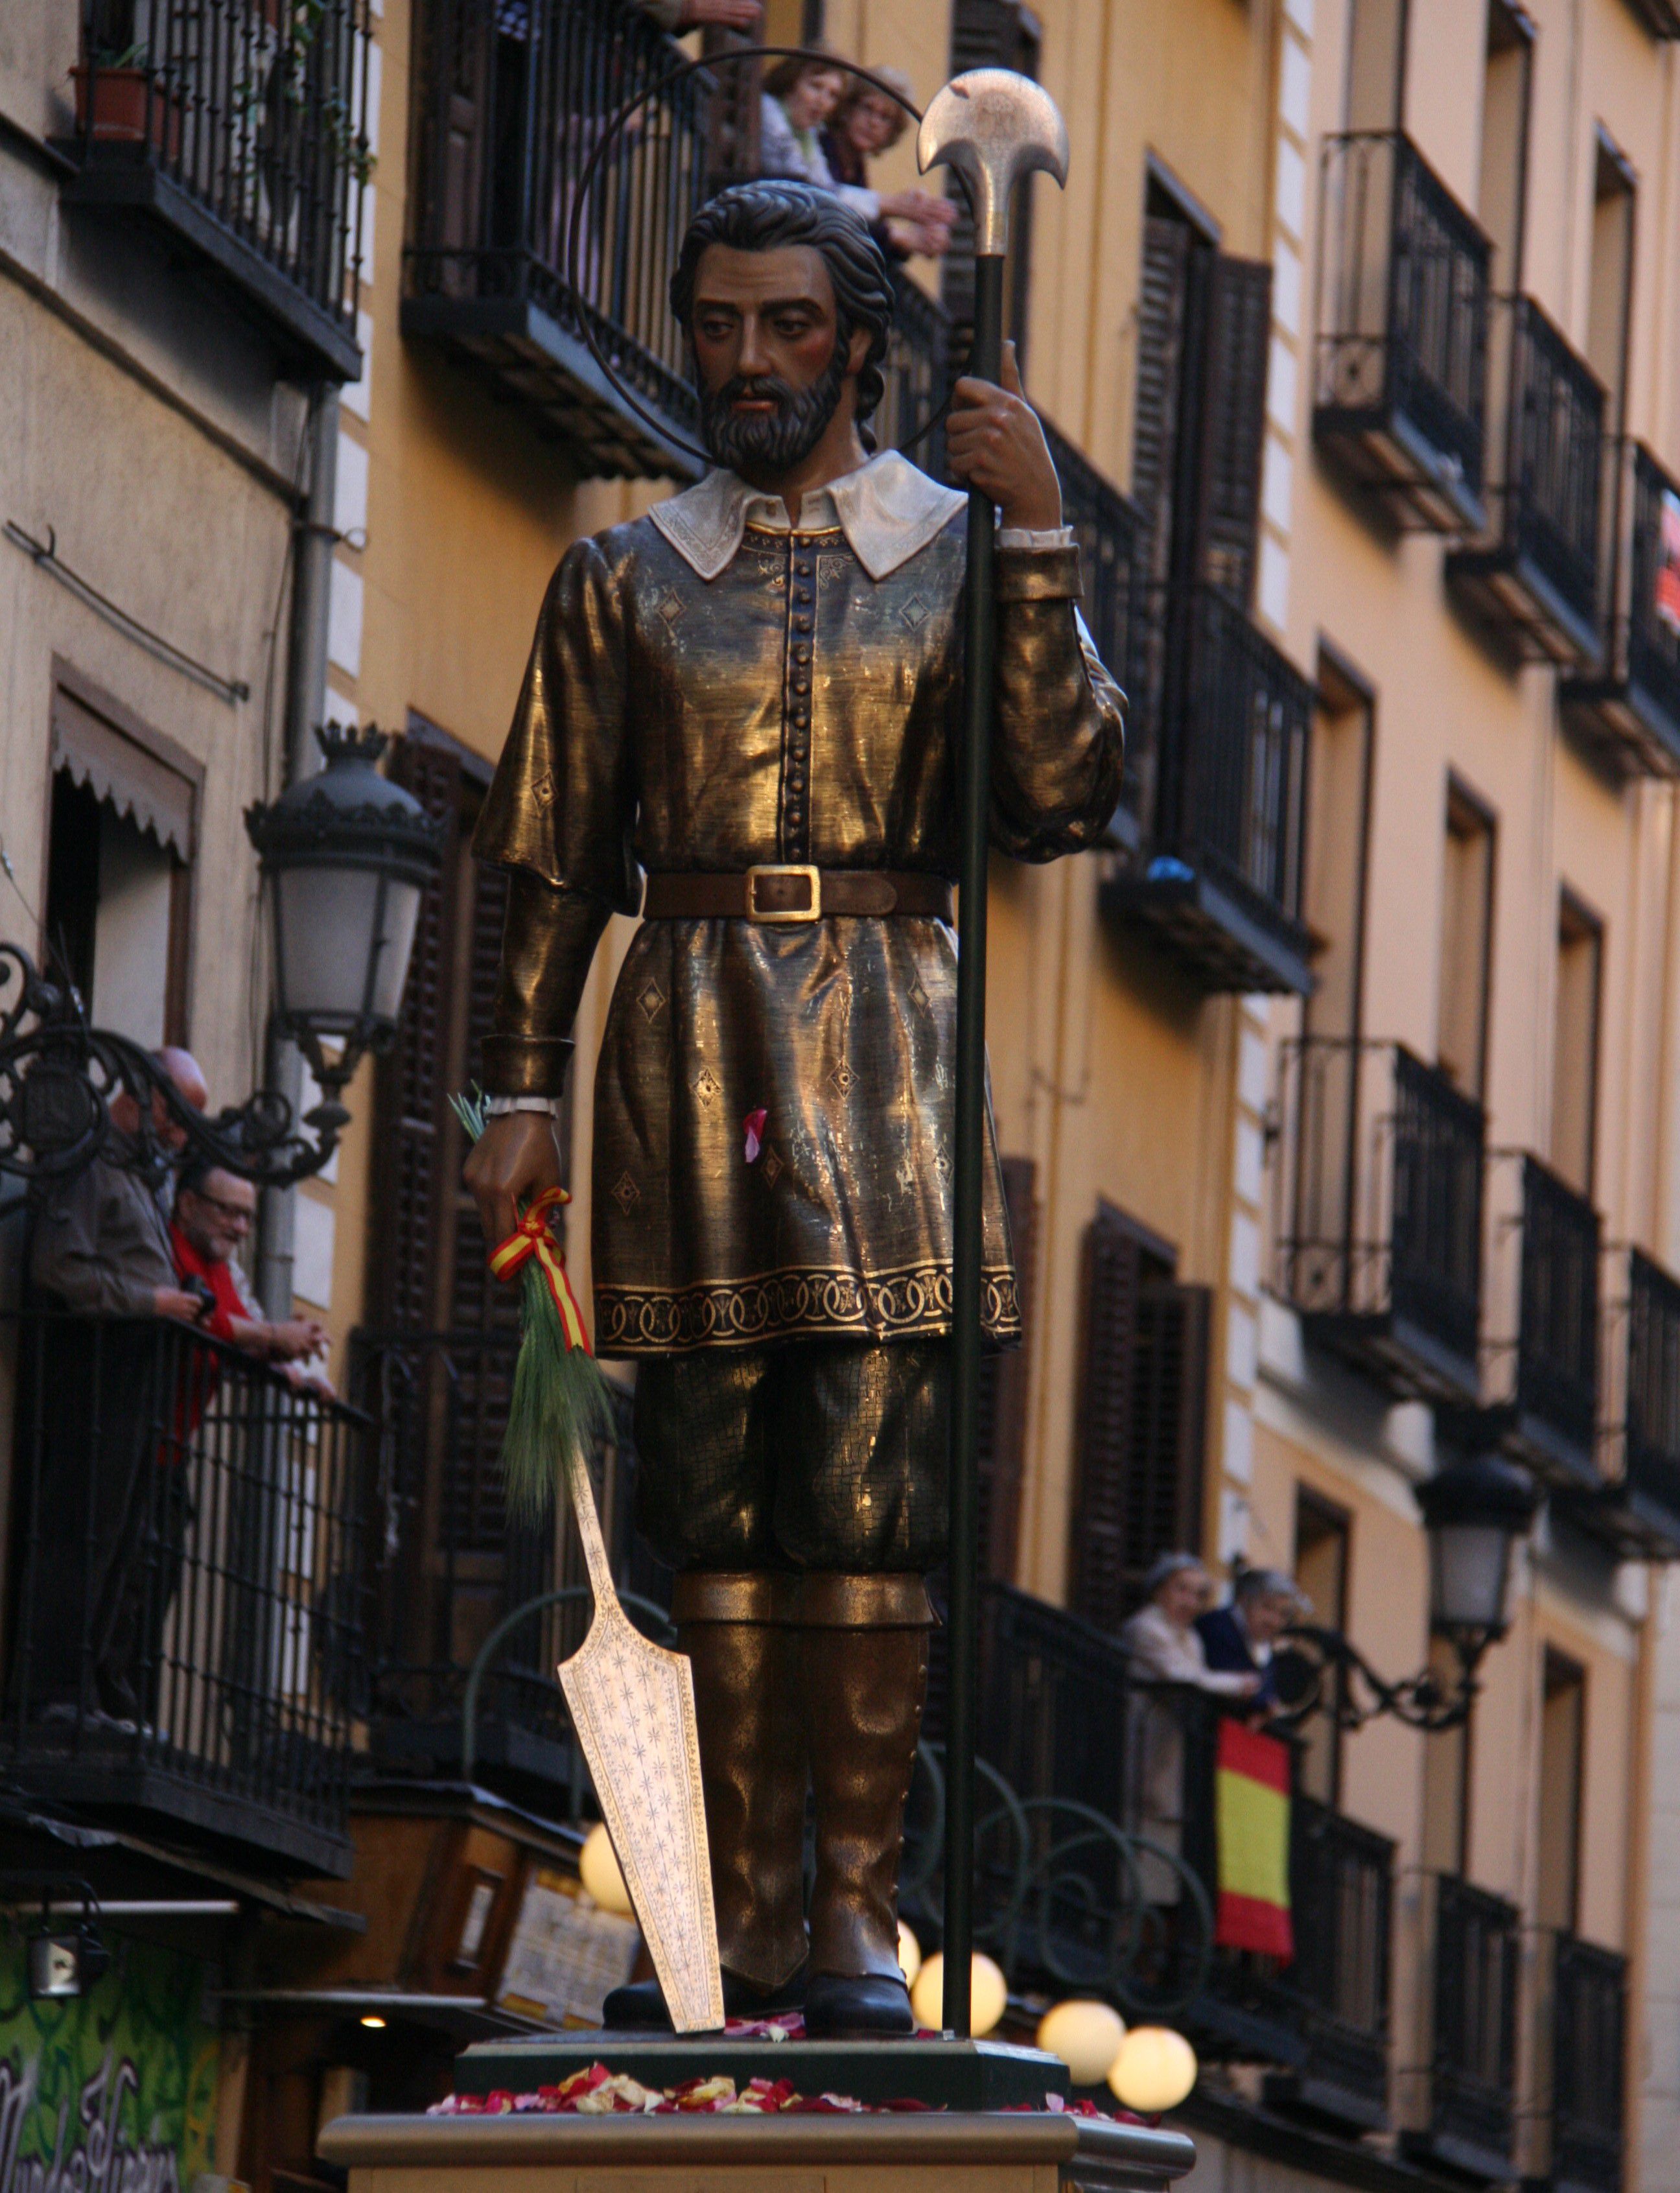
pixel 772 368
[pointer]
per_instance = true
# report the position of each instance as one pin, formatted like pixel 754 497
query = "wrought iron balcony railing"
pixel 1133 1917
pixel 448 1564
pixel 1106 525
pixel 1379 1212
pixel 511 105
pixel 1400 400
pixel 1544 1318
pixel 1581 2070
pixel 1633 1499
pixel 1532 577
pixel 1466 2109
pixel 239 127
pixel 187 1538
pixel 1217 872
pixel 1628 704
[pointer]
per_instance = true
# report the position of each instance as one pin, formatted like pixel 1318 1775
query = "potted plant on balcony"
pixel 122 99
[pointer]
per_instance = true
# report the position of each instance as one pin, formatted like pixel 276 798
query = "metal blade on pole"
pixel 993 126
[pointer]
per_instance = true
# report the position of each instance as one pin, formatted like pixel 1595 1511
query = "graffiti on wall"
pixel 113 2092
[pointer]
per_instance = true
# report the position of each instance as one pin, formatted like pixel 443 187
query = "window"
pixel 1204 326
pixel 1322 1540
pixel 1446 1775
pixel 1575 1057
pixel 429 1272
pixel 1563 1734
pixel 1003 1386
pixel 1376 64
pixel 1504 140
pixel 1466 943
pixel 1610 298
pixel 1143 1402
pixel 121 838
pixel 1337 837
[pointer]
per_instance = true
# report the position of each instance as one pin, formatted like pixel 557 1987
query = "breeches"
pixel 826 1455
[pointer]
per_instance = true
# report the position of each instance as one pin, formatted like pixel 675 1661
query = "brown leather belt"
pixel 791 891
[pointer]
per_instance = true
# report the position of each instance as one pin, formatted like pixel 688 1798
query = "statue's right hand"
pixel 515 1158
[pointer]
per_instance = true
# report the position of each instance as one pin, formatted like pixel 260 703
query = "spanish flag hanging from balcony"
pixel 1252 1811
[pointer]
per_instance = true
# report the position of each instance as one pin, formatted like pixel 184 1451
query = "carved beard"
pixel 771 442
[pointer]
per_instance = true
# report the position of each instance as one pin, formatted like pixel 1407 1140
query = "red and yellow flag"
pixel 1252 1810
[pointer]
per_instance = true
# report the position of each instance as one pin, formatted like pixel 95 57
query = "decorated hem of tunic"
pixel 912 1303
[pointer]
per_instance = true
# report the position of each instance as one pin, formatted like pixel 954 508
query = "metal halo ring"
pixel 614 130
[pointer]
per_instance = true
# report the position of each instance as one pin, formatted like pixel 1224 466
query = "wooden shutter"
pixel 1142 1423
pixel 1003 1382
pixel 1169 1387
pixel 1239 343
pixel 1113 1279
pixel 414 1075
pixel 1161 322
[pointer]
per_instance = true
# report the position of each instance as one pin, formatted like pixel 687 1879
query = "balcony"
pixel 1547 1251
pixel 1470 2092
pixel 1635 1503
pixel 1107 528
pixel 237 129
pixel 1379 1214
pixel 1580 2046
pixel 1131 1916
pixel 187 1646
pixel 1216 875
pixel 1627 707
pixel 1400 400
pixel 1532 579
pixel 511 105
pixel 449 1565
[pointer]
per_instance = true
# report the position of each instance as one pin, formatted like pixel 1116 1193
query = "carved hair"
pixel 765 216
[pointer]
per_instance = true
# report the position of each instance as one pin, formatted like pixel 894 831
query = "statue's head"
pixel 787 304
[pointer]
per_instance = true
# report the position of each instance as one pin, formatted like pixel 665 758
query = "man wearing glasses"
pixel 215 1211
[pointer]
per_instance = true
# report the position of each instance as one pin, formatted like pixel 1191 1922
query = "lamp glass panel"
pixel 401 913
pixel 1469 1565
pixel 327 920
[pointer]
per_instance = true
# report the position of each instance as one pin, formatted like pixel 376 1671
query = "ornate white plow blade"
pixel 632 1704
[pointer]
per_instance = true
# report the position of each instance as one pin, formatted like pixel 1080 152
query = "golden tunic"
pixel 792 706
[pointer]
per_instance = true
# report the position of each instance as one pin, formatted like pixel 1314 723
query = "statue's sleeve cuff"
pixel 526 1065
pixel 1038 575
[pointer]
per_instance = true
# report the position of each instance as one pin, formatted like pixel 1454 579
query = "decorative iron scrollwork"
pixel 69 1092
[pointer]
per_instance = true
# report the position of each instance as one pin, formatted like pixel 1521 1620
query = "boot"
pixel 865 1642
pixel 738 1635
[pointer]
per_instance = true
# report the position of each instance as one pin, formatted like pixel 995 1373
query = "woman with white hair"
pixel 1163 1650
pixel 1162 1639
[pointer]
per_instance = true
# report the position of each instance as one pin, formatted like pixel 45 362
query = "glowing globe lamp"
pixel 1154 2070
pixel 909 1954
pixel 988 1994
pixel 1086 2036
pixel 598 1867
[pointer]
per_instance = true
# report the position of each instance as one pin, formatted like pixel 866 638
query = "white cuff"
pixel 496 1106
pixel 1023 537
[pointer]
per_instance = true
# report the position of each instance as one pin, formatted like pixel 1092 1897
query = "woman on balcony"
pixel 801 95
pixel 1165 1657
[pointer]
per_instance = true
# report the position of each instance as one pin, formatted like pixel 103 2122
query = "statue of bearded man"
pixel 751 696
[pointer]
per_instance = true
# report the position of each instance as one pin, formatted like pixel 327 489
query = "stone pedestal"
pixel 951 2152
pixel 939 2071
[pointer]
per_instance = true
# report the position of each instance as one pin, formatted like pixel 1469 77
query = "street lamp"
pixel 1474 1511
pixel 346 854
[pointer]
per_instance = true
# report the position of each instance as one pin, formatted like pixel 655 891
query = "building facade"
pixel 1336 1093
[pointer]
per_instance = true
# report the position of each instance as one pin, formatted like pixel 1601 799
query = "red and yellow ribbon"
pixel 531 1237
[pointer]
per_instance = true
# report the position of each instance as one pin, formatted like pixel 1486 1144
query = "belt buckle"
pixel 771 917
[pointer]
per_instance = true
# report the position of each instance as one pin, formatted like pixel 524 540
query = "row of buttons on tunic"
pixel 801 598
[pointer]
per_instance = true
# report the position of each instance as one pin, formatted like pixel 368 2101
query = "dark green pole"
pixel 974 803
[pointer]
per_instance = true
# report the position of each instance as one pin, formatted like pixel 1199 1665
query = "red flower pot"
pixel 126 107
